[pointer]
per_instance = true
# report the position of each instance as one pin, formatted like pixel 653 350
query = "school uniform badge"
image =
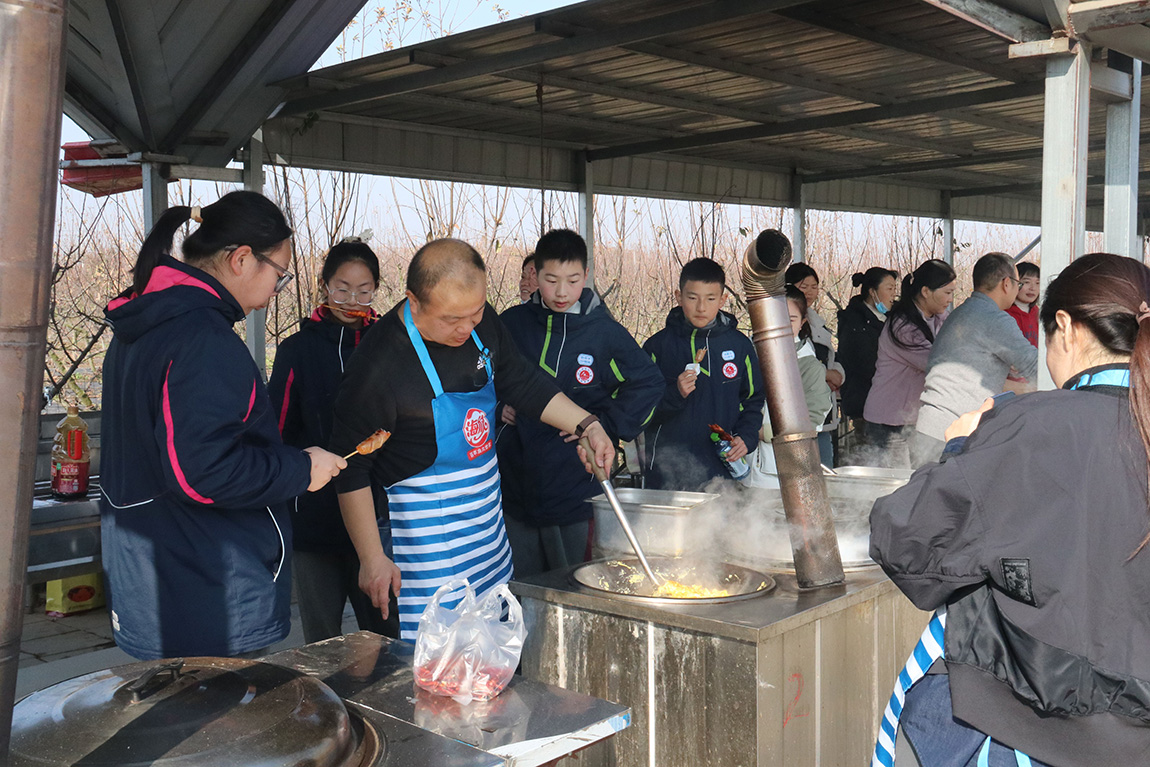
pixel 586 359
pixel 477 433
pixel 729 354
pixel 730 370
pixel 584 375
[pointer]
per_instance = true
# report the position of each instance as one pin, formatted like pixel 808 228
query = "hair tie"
pixel 1143 312
pixel 196 215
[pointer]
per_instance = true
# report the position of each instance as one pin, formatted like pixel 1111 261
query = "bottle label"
pixel 70 478
pixel 74 444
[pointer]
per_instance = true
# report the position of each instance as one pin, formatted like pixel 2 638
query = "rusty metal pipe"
pixel 804 493
pixel 31 97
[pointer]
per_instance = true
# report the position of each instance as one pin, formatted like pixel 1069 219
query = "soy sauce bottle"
pixel 71 456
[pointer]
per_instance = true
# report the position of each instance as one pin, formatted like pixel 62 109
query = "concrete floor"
pixel 55 649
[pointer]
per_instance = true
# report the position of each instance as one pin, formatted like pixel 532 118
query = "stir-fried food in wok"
pixel 638 582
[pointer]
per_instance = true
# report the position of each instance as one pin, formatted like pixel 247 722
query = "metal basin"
pixel 852 492
pixel 625 580
pixel 666 522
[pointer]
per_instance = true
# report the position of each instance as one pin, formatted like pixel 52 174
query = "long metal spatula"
pixel 609 491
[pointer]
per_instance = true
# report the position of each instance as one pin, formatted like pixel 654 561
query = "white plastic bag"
pixel 469 652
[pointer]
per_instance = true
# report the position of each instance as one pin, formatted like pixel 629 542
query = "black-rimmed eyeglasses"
pixel 284 275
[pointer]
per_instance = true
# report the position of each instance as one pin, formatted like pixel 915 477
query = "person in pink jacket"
pixel 900 371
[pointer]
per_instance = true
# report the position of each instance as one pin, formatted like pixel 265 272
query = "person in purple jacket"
pixel 194 479
pixel 900 370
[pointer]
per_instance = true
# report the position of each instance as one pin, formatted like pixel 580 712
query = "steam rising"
pixel 747 525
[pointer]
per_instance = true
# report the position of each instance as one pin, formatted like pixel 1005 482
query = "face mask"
pixel 880 307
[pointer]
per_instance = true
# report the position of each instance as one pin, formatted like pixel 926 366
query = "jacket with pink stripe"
pixel 194 476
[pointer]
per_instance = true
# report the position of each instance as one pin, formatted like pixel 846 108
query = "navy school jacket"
pixel 194 477
pixel 729 391
pixel 597 364
pixel 308 368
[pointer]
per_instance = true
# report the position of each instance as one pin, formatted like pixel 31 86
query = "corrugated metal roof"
pixel 190 77
pixel 705 84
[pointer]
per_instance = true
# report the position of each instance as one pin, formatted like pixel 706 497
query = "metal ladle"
pixel 609 491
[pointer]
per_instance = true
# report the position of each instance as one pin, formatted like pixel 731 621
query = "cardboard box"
pixel 77 594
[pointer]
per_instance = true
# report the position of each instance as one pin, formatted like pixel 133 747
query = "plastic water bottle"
pixel 738 468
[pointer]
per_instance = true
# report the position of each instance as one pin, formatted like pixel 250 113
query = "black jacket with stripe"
pixel 597 364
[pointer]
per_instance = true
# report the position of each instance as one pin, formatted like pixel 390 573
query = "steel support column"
pixel 1065 134
pixel 947 227
pixel 1121 200
pixel 31 100
pixel 799 233
pixel 155 194
pixel 256 322
pixel 586 207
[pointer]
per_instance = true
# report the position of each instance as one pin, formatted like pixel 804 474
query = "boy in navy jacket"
pixel 712 376
pixel 565 328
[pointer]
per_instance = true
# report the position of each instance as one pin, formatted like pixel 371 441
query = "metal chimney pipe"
pixel 813 539
pixel 31 94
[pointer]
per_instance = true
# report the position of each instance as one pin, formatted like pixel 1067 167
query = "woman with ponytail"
pixel 900 369
pixel 860 324
pixel 1029 541
pixel 309 366
pixel 195 478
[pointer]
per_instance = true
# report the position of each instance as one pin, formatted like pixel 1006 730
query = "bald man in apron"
pixel 430 373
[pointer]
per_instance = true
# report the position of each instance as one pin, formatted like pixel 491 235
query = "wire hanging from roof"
pixel 542 161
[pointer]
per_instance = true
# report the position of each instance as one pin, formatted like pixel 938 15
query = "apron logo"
pixel 476 431
pixel 584 375
pixel 730 370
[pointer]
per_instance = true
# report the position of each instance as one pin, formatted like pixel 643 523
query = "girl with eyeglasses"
pixel 195 478
pixel 308 368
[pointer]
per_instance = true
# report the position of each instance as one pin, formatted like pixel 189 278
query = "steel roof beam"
pixel 530 117
pixel 989 158
pixel 891 138
pixel 834 120
pixel 896 42
pixel 995 19
pixel 797 80
pixel 1057 14
pixel 691 18
pixel 236 59
pixel 99 114
pixel 1088 16
pixel 131 72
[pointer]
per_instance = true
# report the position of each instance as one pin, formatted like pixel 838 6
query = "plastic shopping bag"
pixel 469 652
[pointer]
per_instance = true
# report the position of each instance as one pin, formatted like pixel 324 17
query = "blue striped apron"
pixel 447 520
pixel 930 645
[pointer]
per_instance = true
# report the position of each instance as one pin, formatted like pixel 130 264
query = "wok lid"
pixel 198 711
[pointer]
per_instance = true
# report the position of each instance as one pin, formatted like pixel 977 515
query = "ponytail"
pixel 1106 294
pixel 932 274
pixel 237 218
pixel 871 279
pixel 158 244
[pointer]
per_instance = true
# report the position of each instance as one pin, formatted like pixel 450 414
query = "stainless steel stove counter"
pixel 788 679
pixel 749 620
pixel 530 723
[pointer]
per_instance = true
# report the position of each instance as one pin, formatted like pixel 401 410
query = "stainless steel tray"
pixel 666 522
